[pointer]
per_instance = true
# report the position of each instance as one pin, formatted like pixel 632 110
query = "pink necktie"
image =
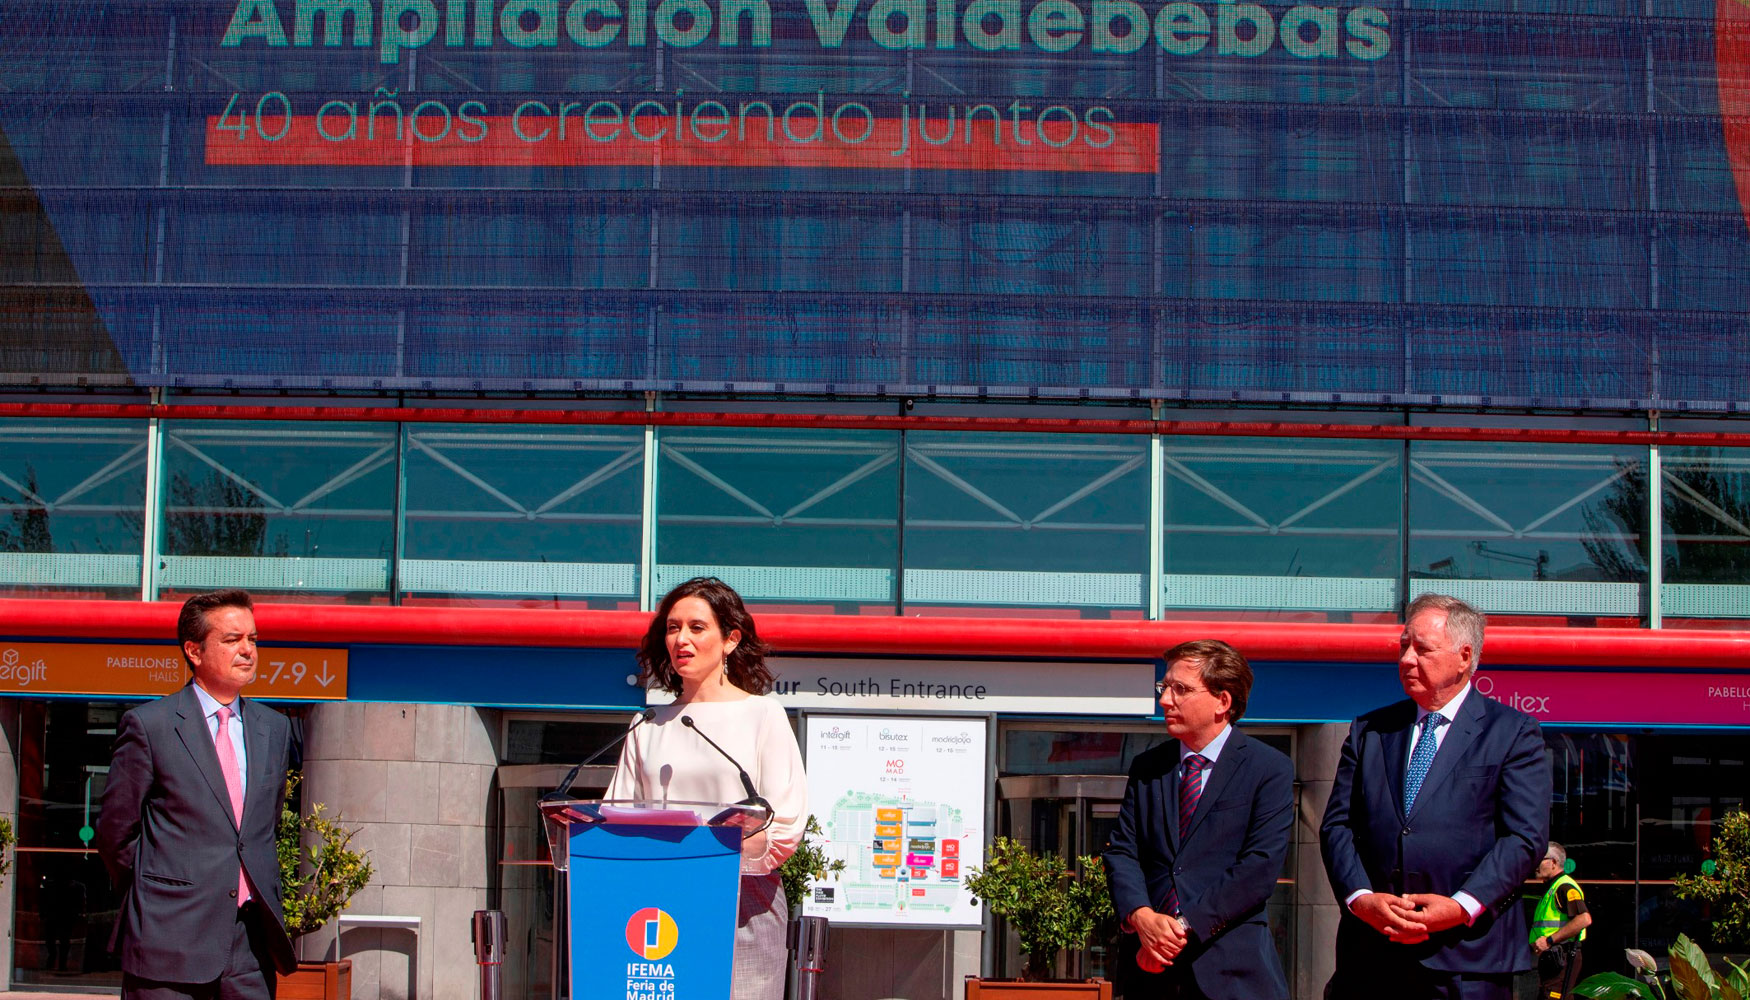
pixel 234 785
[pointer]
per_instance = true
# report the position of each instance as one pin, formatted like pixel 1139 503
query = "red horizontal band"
pixel 869 422
pixel 881 636
pixel 809 140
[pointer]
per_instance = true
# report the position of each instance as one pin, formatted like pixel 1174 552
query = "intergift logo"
pixel 1732 69
pixel 651 934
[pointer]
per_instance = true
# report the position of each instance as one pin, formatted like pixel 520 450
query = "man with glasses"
pixel 1200 839
pixel 1558 926
pixel 1438 808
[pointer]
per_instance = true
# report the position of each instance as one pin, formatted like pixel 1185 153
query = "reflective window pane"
pixel 65 905
pixel 795 520
pixel 1705 496
pixel 1000 521
pixel 1544 530
pixel 282 508
pixel 72 501
pixel 1276 524
pixel 549 513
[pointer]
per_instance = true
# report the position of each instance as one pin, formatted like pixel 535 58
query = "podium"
pixel 652 890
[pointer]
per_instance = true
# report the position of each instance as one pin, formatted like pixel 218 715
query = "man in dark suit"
pixel 187 826
pixel 1438 814
pixel 1200 840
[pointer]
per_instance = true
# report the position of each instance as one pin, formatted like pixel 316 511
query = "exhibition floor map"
pixel 901 802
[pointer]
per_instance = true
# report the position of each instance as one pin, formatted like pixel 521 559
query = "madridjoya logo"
pixel 1732 70
pixel 652 934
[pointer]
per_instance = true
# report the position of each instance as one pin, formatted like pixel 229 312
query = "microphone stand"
pixel 753 796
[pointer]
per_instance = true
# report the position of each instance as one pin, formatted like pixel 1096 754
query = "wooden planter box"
pixel 1015 989
pixel 320 981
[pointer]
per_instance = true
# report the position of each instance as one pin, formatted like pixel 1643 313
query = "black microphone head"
pixel 687 720
pixel 647 715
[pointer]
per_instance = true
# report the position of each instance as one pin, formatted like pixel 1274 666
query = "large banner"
pixel 1129 199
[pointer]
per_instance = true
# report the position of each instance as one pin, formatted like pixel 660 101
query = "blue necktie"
pixel 1422 758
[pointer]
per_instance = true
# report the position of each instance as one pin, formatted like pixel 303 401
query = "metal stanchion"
pixel 488 934
pixel 807 956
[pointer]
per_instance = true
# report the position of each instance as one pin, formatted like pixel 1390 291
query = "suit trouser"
pixel 1410 980
pixel 1176 983
pixel 248 975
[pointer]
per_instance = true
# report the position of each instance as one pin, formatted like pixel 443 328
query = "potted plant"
pixel 1692 977
pixel 1052 907
pixel 1724 882
pixel 317 881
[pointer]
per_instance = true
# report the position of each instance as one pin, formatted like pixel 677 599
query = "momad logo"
pixel 1732 69
pixel 651 934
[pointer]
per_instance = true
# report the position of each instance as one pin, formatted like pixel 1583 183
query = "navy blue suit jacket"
pixel 1226 867
pixel 172 845
pixel 1480 824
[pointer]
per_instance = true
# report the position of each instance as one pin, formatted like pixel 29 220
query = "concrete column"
pixel 1316 913
pixel 415 781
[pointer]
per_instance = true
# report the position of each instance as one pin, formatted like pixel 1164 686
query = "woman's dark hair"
pixel 745 664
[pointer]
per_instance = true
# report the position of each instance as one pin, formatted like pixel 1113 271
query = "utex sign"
pixel 152 669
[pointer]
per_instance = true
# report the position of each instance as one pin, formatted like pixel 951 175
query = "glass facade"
pixel 1530 529
pixel 1282 525
pixel 874 522
pixel 293 510
pixel 794 520
pixel 543 514
pixel 72 502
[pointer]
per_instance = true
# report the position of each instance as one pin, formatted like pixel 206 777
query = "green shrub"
pixel 1050 906
pixel 319 880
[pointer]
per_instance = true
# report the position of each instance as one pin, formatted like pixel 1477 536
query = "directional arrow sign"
pixel 108 668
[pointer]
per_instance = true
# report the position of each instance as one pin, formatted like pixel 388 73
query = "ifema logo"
pixel 1732 68
pixel 651 934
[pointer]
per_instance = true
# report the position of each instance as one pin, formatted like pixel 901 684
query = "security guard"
pixel 1558 926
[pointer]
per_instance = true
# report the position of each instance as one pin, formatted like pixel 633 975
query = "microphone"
pixel 753 797
pixel 564 788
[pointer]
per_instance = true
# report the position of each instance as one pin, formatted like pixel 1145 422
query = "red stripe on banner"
pixel 1732 66
pixel 651 140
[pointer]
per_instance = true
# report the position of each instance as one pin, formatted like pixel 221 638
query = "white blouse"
pixel 665 761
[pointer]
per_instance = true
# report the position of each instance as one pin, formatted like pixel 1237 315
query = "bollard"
pixel 488 935
pixel 807 955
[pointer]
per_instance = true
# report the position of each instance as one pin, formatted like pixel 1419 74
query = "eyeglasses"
pixel 1179 690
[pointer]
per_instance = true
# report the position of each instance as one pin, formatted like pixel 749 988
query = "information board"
pixel 901 800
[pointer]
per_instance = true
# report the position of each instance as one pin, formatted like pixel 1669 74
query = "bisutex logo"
pixel 1732 69
pixel 651 934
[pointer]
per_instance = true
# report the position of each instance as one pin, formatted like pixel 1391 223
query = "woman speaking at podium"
pixel 701 647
